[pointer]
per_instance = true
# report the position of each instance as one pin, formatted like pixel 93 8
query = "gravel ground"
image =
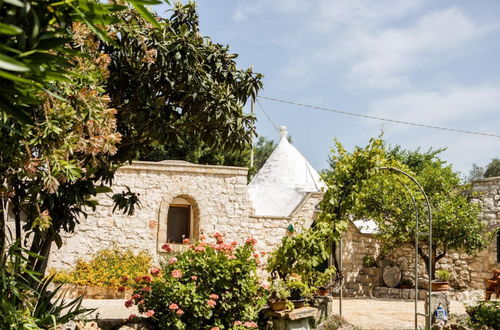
pixel 362 312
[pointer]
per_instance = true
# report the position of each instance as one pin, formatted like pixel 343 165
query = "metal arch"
pixel 428 313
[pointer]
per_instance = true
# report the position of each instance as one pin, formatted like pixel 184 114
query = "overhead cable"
pixel 378 118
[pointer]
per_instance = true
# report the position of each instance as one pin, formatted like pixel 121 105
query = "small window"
pixel 178 223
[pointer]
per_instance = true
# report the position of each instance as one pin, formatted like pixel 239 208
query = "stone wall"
pixel 217 194
pixel 467 272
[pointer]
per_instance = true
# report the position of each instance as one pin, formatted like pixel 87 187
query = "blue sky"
pixel 431 62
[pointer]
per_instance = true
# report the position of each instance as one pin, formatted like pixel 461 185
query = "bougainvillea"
pixel 209 286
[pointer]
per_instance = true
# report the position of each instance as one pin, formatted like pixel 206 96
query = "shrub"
pixel 278 290
pixel 443 275
pixel 106 268
pixel 486 313
pixel 369 261
pixel 208 286
pixel 28 304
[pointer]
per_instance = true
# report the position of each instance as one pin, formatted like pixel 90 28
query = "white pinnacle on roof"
pixel 283 181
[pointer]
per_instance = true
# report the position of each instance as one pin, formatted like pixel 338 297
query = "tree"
pixel 360 186
pixel 455 213
pixel 151 82
pixel 493 168
pixel 476 172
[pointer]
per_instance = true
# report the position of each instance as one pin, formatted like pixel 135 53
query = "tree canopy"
pixel 360 187
pixel 143 82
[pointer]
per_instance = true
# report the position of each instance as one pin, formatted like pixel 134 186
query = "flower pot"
pixel 440 286
pixel 277 305
pixel 322 292
pixel 299 303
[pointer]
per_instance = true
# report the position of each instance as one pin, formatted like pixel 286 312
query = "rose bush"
pixel 209 286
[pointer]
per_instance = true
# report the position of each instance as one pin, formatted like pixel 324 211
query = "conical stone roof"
pixel 283 181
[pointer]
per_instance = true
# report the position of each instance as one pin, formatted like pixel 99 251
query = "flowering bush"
pixel 209 286
pixel 106 268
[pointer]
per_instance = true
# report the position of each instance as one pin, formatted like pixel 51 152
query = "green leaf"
pixel 145 13
pixel 58 240
pixel 9 29
pixel 13 77
pixel 8 63
pixel 16 3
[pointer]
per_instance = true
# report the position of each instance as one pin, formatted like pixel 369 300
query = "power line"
pixel 379 118
pixel 267 116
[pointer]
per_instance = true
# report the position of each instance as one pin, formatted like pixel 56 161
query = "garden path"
pixel 365 313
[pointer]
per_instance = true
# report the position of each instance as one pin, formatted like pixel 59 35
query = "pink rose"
pixel 232 257
pixel 149 313
pixel 136 296
pixel 211 303
pixel 166 247
pixel 186 241
pixel 128 303
pixel 172 260
pixel 199 249
pixel 238 323
pixel 173 307
pixel 251 241
pixel 214 296
pixel 194 277
pixel 215 328
pixel 146 278
pixel 179 312
pixel 176 273
pixel 131 317
pixel 250 324
pixel 154 271
pixel 234 243
pixel 146 289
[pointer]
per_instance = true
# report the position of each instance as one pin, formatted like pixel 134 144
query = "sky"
pixel 429 62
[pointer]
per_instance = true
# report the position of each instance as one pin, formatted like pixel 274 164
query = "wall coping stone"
pixel 493 178
pixel 181 166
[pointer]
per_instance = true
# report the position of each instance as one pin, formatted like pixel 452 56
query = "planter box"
pixel 72 291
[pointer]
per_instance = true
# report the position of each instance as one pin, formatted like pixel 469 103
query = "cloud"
pixel 365 44
pixel 467 108
pixel 385 57
pixel 451 105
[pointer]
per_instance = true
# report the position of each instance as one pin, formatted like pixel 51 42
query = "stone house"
pixel 183 200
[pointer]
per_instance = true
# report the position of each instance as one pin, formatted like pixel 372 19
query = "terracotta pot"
pixel 440 286
pixel 298 303
pixel 322 292
pixel 277 305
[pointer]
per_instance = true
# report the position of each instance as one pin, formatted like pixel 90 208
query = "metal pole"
pixel 252 103
pixel 428 313
pixel 341 294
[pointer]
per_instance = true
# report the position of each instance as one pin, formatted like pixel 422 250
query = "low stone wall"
pixel 467 271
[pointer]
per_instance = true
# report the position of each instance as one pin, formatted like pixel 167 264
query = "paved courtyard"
pixel 378 313
pixel 363 312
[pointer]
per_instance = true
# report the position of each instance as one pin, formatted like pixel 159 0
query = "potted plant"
pixel 299 291
pixel 406 283
pixel 322 280
pixel 278 295
pixel 441 283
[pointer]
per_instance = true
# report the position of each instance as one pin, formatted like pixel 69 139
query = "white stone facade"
pixel 218 196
